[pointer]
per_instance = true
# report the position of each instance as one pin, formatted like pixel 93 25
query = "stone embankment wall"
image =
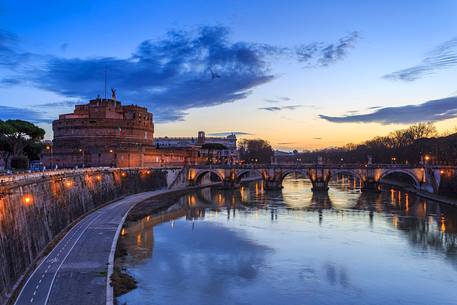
pixel 34 211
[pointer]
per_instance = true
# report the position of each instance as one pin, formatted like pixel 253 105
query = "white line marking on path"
pixel 69 251
pixel 67 237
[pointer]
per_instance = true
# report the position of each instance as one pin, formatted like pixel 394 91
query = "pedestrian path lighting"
pixel 27 199
pixel 68 183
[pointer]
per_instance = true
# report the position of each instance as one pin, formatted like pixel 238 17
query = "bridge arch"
pixel 413 179
pixel 302 172
pixel 347 172
pixel 201 174
pixel 243 173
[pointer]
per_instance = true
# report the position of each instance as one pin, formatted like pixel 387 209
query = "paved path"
pixel 76 271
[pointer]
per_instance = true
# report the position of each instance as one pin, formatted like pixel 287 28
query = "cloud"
pixel 324 54
pixel 60 104
pixel 430 111
pixel 278 108
pixel 317 138
pixel 286 143
pixel 291 107
pixel 7 112
pixel 273 108
pixel 278 100
pixel 228 133
pixel 352 111
pixel 169 75
pixel 8 56
pixel 443 56
pixel 11 57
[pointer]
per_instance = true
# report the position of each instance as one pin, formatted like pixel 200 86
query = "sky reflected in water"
pixel 250 246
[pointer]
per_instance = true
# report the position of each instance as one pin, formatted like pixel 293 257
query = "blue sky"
pixel 302 74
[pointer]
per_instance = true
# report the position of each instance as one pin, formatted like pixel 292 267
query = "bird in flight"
pixel 214 75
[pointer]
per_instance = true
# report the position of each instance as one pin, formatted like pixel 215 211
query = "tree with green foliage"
pixel 211 148
pixel 255 151
pixel 19 141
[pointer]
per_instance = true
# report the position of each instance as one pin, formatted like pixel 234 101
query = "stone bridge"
pixel 421 177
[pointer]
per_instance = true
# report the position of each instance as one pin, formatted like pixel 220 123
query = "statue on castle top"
pixel 113 93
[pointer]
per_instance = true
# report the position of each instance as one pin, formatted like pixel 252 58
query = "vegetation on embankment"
pixel 121 281
pixel 153 205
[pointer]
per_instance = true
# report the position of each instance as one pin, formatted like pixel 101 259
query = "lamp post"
pixel 49 149
pixel 81 150
pixel 114 158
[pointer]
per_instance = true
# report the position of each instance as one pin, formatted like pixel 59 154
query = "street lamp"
pixel 49 149
pixel 114 158
pixel 83 156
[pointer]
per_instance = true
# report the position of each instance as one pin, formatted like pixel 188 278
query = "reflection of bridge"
pixel 423 177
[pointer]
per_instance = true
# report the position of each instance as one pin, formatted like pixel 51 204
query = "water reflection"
pixel 251 246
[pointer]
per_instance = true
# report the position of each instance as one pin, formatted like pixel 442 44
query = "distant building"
pixel 106 133
pixel 224 151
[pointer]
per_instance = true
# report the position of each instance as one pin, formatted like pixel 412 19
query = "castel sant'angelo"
pixel 106 133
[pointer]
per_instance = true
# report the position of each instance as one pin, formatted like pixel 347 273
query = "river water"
pixel 251 246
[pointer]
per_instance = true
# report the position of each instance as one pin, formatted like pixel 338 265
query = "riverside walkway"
pixel 77 271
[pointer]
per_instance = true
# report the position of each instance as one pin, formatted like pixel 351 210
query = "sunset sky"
pixel 301 74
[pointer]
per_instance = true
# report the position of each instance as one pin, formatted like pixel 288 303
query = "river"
pixel 251 246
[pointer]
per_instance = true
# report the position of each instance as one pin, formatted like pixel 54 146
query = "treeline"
pixel 402 146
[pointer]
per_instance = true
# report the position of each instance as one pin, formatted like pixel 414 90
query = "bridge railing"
pixel 4 179
pixel 326 165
